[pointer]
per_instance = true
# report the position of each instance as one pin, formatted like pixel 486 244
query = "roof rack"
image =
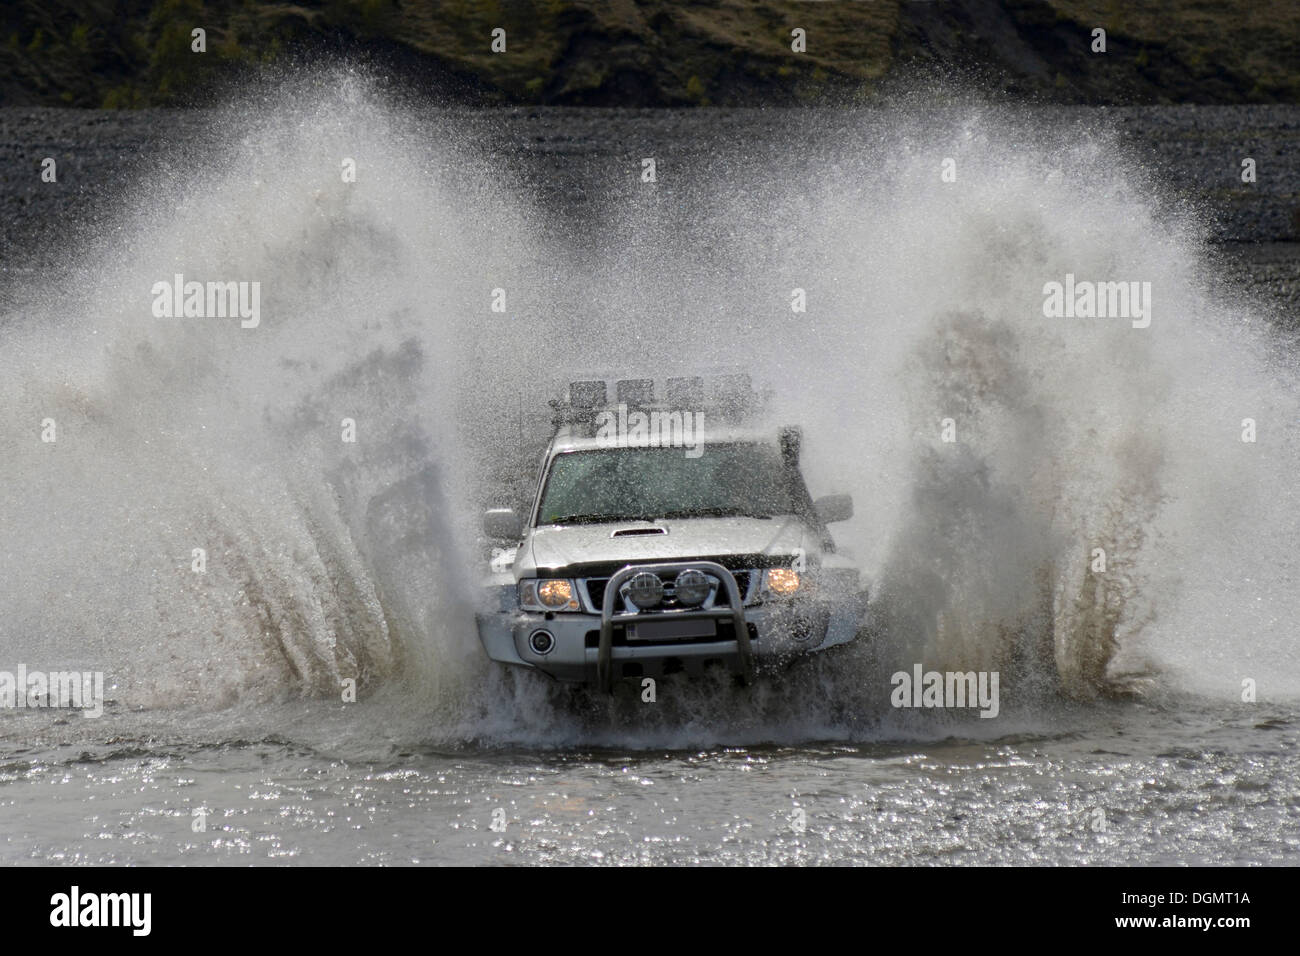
pixel 727 396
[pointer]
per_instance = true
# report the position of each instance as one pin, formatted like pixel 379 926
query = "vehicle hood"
pixel 561 546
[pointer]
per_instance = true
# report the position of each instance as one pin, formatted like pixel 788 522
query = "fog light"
pixel 542 642
pixel 804 631
pixel 645 590
pixel 691 587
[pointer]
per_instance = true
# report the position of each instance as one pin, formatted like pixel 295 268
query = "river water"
pixel 182 514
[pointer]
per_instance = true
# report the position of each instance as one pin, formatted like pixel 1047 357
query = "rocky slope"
pixel 94 53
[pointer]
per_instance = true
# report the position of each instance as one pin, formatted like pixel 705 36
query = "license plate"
pixel 672 630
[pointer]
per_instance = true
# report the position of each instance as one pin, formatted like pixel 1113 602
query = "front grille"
pixel 596 591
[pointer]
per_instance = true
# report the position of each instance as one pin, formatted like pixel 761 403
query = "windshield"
pixel 613 484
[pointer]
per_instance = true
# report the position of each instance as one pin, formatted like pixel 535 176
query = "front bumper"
pixel 596 648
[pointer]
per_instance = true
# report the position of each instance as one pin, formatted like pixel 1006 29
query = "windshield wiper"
pixel 714 513
pixel 683 513
pixel 595 519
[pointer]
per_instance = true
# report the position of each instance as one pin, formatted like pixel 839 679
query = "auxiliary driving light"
pixel 782 581
pixel 542 642
pixel 691 587
pixel 645 589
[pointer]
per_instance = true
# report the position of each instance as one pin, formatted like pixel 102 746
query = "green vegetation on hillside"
pixel 124 53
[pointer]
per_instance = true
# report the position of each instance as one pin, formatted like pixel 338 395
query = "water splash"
pixel 328 560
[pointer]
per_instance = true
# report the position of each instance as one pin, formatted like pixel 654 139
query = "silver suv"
pixel 643 556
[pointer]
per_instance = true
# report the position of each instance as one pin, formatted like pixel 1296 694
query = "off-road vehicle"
pixel 668 532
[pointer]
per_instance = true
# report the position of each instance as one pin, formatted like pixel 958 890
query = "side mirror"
pixel 502 524
pixel 832 508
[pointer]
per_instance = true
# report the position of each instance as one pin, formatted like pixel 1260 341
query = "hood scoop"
pixel 631 532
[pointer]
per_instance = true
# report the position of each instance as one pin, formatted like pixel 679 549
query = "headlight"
pixel 781 581
pixel 548 594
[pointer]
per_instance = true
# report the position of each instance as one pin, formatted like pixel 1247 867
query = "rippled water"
pixel 1117 783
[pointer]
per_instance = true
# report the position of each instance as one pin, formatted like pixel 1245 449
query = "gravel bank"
pixel 563 156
